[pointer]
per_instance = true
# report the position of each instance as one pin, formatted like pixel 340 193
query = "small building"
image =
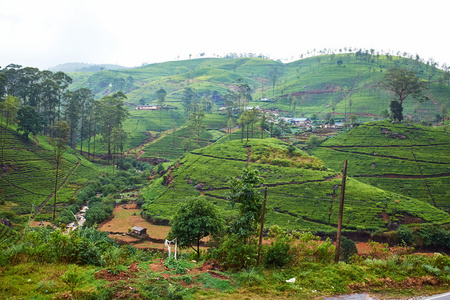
pixel 298 121
pixel 146 107
pixel 139 230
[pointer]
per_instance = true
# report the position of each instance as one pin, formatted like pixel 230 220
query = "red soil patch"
pixel 126 216
pixel 37 223
pixel 416 282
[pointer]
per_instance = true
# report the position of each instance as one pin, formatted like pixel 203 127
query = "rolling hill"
pixel 27 180
pixel 300 189
pixel 411 160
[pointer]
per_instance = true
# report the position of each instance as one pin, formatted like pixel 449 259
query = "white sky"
pixel 44 33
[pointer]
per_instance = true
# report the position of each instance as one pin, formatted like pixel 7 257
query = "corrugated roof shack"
pixel 139 230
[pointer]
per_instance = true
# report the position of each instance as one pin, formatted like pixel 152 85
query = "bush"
pixel 434 234
pixel 235 255
pixel 278 254
pixel 348 249
pixel 405 235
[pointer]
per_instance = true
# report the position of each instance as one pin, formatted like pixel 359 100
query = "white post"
pixel 175 249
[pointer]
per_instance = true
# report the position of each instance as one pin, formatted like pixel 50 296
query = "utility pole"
pixel 341 210
pixel 262 225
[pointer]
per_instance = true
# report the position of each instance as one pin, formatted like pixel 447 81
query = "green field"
pixel 408 159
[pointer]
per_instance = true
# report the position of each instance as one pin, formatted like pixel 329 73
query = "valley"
pixel 200 141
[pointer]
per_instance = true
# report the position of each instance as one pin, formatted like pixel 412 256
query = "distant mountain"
pixel 84 67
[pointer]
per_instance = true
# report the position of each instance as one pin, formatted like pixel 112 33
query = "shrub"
pixel 235 255
pixel 434 234
pixel 405 234
pixel 278 254
pixel 348 249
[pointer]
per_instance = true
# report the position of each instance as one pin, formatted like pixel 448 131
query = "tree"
pixel 396 110
pixel 403 83
pixel 243 93
pixel 118 139
pixel 189 99
pixel 161 98
pixel 273 76
pixel 72 115
pixel 29 121
pixel 195 123
pixel 9 107
pixel 230 124
pixel 86 106
pixel 59 143
pixel 194 220
pixel 112 114
pixel 253 116
pixel 331 121
pixel 443 113
pixel 242 191
pixel 353 118
pixel 263 125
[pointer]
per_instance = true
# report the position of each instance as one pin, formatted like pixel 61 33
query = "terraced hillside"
pixel 320 86
pixel 411 160
pixel 8 236
pixel 301 192
pixel 337 83
pixel 27 181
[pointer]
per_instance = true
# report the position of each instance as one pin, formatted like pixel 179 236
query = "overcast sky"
pixel 45 33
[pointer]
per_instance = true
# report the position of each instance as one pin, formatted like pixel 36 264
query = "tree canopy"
pixel 195 219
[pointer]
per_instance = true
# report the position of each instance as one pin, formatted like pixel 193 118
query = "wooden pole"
pixel 262 225
pixel 341 210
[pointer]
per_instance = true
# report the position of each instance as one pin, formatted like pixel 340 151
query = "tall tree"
pixel 443 113
pixel 242 191
pixel 403 83
pixel 86 104
pixel 274 74
pixel 29 121
pixel 230 124
pixel 112 114
pixel 253 116
pixel 161 98
pixel 243 93
pixel 195 123
pixel 72 113
pixel 9 108
pixel 189 99
pixel 59 143
pixel 263 124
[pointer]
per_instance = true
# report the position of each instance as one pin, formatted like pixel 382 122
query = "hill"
pixel 27 180
pixel 337 83
pixel 411 160
pixel 84 67
pixel 301 190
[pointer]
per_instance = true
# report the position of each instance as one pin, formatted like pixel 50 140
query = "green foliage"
pixel 347 249
pixel 73 277
pixel 434 234
pixel 233 254
pixel 250 200
pixel 278 255
pixel 405 234
pixel 194 220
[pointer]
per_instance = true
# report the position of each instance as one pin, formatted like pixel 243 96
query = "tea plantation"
pixel 411 160
pixel 301 191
